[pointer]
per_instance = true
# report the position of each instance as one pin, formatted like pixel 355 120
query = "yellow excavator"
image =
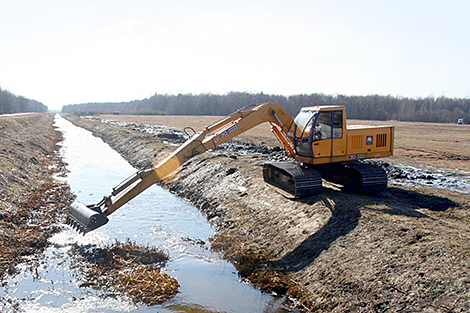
pixel 318 139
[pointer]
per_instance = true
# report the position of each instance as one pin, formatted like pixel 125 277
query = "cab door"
pixel 339 137
pixel 321 135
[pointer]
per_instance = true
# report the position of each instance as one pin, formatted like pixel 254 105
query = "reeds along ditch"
pixel 25 230
pixel 128 269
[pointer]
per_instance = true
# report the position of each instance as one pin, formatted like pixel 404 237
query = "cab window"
pixel 323 125
pixel 304 121
pixel 304 146
pixel 337 124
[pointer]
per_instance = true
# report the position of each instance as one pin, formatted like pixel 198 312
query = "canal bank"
pixel 31 200
pixel 55 282
pixel 335 251
pixel 365 253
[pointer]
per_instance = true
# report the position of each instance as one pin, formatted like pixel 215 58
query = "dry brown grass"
pixel 32 224
pixel 31 201
pixel 130 269
pixel 444 146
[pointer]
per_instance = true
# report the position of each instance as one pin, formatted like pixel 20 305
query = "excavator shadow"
pixel 346 212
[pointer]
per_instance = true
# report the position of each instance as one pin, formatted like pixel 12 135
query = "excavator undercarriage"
pixel 292 180
pixel 298 181
pixel 355 176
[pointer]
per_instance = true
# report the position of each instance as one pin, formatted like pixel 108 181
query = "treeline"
pixel 371 107
pixel 9 103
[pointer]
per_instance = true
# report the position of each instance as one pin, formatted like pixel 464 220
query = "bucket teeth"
pixel 84 219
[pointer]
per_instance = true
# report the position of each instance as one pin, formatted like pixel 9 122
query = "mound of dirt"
pixel 404 249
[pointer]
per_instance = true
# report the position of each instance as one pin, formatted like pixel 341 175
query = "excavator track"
pixel 292 180
pixel 355 176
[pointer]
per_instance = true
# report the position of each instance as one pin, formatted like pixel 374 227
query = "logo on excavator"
pixel 228 131
pixel 357 156
pixel 369 140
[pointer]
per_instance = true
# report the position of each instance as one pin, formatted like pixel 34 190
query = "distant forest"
pixel 371 107
pixel 9 103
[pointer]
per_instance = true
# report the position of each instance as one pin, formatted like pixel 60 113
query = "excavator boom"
pixel 318 139
pixel 86 218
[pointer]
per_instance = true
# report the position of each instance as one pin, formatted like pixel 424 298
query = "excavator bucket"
pixel 85 218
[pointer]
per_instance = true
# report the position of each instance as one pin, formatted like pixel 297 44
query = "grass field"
pixel 445 146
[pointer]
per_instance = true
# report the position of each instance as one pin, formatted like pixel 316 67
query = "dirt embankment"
pixel 404 249
pixel 31 201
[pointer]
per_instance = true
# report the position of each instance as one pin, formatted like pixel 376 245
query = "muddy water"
pixel 156 217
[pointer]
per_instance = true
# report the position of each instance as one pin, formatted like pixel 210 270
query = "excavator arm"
pixel 86 218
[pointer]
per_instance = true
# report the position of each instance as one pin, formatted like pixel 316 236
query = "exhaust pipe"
pixel 85 218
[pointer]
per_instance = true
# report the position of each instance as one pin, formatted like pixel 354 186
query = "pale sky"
pixel 64 52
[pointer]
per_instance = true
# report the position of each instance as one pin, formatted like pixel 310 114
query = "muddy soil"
pixel 32 202
pixel 404 249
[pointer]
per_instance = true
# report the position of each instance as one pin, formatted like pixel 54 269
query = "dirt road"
pixel 403 249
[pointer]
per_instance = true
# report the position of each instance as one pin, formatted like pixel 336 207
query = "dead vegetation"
pixel 30 198
pixel 258 268
pixel 129 269
pixel 28 229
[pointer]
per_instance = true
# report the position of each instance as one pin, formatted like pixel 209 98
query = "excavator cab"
pixel 303 123
pixel 318 135
pixel 319 132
